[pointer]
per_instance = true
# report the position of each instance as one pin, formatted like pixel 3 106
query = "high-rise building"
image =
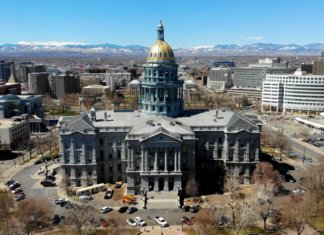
pixel 219 78
pixel 32 69
pixel 5 70
pixel 318 66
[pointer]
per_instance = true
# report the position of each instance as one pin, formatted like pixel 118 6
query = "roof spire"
pixel 160 32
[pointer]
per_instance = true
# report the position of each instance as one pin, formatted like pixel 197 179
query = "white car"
pixel 140 221
pixel 298 191
pixel 131 222
pixel 161 221
pixel 16 182
pixel 17 190
pixel 106 209
pixel 61 200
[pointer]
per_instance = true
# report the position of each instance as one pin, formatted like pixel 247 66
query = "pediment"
pixel 161 137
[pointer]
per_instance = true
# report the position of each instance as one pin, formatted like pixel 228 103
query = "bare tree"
pixel 40 144
pixel 205 223
pixel 68 100
pixel 281 140
pixel 6 206
pixel 266 177
pixel 48 103
pixel 78 220
pixel 88 103
pixel 265 137
pixel 33 213
pixel 51 141
pixel 192 188
pixel 117 225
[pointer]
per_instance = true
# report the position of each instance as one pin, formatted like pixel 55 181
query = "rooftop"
pixel 6 123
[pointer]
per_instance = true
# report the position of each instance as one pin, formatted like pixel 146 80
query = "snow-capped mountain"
pixel 109 48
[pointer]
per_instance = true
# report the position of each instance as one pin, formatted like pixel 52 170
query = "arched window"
pixel 166 73
pixel 150 73
pixel 165 55
pixel 155 54
pixel 154 73
pixel 160 54
pixel 161 74
pixel 171 73
pixel 151 54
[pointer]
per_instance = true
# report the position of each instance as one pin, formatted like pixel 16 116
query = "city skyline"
pixel 187 24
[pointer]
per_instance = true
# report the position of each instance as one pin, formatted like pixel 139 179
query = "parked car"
pixel 318 144
pixel 20 197
pixel 17 190
pixel 45 182
pixel 94 222
pixel 106 209
pixel 103 222
pixel 186 208
pixel 298 191
pixel 276 159
pixel 50 177
pixel 61 201
pixel 140 221
pixel 21 193
pixel 15 185
pixel 56 219
pixel 131 222
pixel 10 182
pixel 123 209
pixel 185 220
pixel 319 139
pixel 109 193
pixel 161 221
pixel 131 210
pixel 85 197
pixel 310 116
pixel 37 162
pixel 301 180
pixel 194 209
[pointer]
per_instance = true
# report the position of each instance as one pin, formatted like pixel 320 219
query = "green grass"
pixel 67 113
pixel 317 221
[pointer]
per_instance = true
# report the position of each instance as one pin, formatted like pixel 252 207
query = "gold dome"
pixel 160 51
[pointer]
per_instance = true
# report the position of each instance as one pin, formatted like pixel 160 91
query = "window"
pixel 242 143
pixel 89 157
pixel 203 152
pixel 119 167
pixel 220 140
pixel 119 154
pixel 202 140
pixel 77 144
pixel 231 156
pixel 252 142
pixel 110 154
pixel 211 140
pixel 161 74
pixel 137 150
pixel 252 156
pixel 184 163
pixel 169 109
pixel 184 149
pixel 66 144
pixel 78 157
pixel 161 150
pixel 137 164
pixel 67 157
pixel 202 165
pixel 161 109
pixel 219 153
pixel 101 154
pixel 118 141
pixel 170 150
pixel 153 108
pixel 102 168
pixel 101 141
pixel 89 144
pixel 110 167
pixel 109 141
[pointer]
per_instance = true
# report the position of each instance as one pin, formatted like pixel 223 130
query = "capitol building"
pixel 160 146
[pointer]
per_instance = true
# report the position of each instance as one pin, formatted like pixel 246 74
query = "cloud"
pixel 255 38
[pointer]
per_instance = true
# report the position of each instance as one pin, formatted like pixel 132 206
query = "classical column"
pixel 175 158
pixel 166 159
pixel 237 151
pixel 128 158
pixel 257 155
pixel 156 160
pixel 146 159
pixel 247 151
pixel 72 159
pixel 94 175
pixel 166 184
pixel 115 148
pixel 106 148
pixel 143 152
pixel 132 157
pixel 83 153
pixel 227 148
pixel 179 159
pixel 123 154
pixel 72 176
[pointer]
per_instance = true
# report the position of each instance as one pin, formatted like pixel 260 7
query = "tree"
pixel 48 103
pixel 265 177
pixel 32 213
pixel 119 227
pixel 6 206
pixel 205 223
pixel 51 140
pixel 265 137
pixel 280 140
pixel 298 211
pixel 40 144
pixel 133 102
pixel 88 103
pixel 240 212
pixel 192 188
pixel 68 100
pixel 28 145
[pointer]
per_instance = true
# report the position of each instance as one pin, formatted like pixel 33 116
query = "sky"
pixel 187 23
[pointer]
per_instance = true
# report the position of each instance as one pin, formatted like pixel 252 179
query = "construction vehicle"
pixel 130 199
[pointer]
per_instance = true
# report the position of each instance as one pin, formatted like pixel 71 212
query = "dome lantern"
pixel 160 32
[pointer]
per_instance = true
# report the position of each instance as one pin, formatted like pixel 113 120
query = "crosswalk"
pixel 5 166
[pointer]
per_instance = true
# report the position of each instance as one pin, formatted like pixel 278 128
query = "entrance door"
pixel 161 184
pixel 171 184
pixel 151 184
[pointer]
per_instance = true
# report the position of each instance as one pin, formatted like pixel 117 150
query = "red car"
pixel 103 222
pixel 185 220
pixel 16 185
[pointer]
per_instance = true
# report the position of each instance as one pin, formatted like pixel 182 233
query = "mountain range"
pixel 108 48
